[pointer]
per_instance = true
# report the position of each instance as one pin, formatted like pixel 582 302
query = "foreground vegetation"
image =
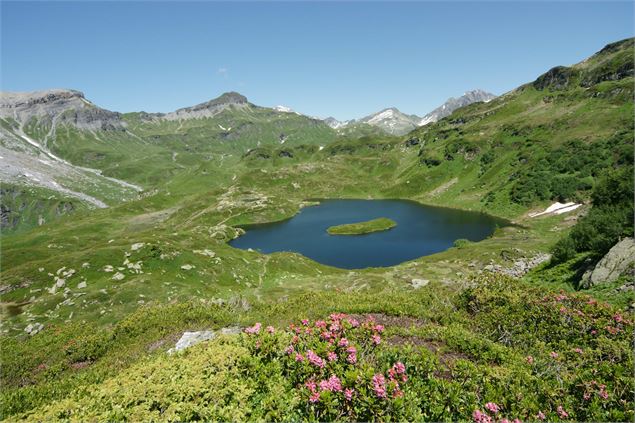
pixel 360 228
pixel 500 348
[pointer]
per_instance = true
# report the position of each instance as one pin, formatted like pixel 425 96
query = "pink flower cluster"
pixel 315 359
pixel 254 329
pixel 332 384
pixel 591 387
pixel 379 385
pixel 563 414
pixel 396 374
pixel 493 409
pixel 352 354
pixel 329 346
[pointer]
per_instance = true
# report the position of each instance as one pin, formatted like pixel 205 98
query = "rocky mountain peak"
pixel 447 108
pixel 231 97
pixel 58 106
pixel 210 108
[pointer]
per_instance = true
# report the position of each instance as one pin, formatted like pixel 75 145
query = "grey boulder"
pixel 620 260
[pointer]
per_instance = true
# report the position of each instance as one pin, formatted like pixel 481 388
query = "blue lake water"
pixel 420 231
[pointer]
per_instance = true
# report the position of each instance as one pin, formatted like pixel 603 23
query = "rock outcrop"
pixel 619 261
pixel 189 339
pixel 557 78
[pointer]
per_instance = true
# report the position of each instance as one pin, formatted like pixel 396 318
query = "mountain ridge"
pixel 451 104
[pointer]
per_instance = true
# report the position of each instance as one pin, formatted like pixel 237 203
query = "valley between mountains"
pixel 115 231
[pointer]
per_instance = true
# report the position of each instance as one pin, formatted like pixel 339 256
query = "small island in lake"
pixel 367 227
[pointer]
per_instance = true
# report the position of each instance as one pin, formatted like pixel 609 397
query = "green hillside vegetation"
pixel 114 288
pixel 367 227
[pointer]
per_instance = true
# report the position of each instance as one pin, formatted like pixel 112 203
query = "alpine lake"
pixel 420 230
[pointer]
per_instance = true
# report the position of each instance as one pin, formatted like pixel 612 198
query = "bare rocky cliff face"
pixel 58 106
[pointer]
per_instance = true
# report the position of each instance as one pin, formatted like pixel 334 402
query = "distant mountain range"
pixel 70 106
pixel 394 122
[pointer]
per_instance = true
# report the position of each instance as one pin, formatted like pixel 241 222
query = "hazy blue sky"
pixel 340 59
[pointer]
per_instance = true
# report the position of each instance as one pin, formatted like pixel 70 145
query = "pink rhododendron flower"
pixel 354 323
pixel 343 342
pixel 379 385
pixel 376 339
pixel 311 385
pixel 331 356
pixel 578 350
pixel 492 407
pixel 379 328
pixel 305 322
pixel 315 397
pixel 337 316
pixel 516 420
pixel 299 357
pixel 541 415
pixel 314 359
pixel 352 358
pixel 553 354
pixel 399 367
pixel 270 329
pixel 603 394
pixel 351 350
pixel 348 394
pixel 594 332
pixel 563 414
pixel 478 415
pixel 334 384
pixel 254 329
pixel 586 396
pixel 320 324
pixel 295 339
pixel 289 350
pixel 530 359
pixel 618 318
pixel 504 421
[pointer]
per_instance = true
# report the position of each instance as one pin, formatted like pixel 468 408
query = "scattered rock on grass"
pixel 33 328
pixel 419 283
pixel 137 246
pixel 118 276
pixel 189 339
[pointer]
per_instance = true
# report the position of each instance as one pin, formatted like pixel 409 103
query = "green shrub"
pixel 462 243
